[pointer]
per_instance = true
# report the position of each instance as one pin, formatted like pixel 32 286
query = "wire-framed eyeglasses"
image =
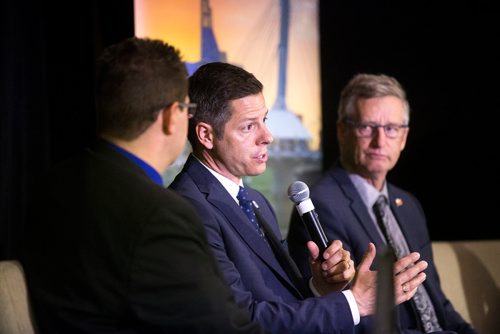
pixel 191 108
pixel 368 129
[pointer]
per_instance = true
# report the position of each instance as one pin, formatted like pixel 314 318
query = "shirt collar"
pixel 231 187
pixel 366 191
pixel 150 171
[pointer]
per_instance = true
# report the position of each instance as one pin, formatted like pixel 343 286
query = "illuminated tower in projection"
pixel 209 48
pixel 290 136
pixel 289 155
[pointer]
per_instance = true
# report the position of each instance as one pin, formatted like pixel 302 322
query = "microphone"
pixel 298 192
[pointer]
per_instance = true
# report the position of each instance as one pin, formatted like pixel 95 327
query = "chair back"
pixel 15 310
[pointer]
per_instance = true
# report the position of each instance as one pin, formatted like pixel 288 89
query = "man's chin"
pixel 257 171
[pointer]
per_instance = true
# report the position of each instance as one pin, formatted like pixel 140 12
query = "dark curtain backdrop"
pixel 445 57
pixel 48 51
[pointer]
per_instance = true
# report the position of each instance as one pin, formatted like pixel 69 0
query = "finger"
pixel 407 281
pixel 407 290
pixel 336 259
pixel 368 258
pixel 346 256
pixel 344 269
pixel 344 276
pixel 351 265
pixel 339 267
pixel 334 247
pixel 410 272
pixel 413 284
pixel 405 262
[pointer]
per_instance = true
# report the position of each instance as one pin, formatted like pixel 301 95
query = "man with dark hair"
pixel 229 139
pixel 109 249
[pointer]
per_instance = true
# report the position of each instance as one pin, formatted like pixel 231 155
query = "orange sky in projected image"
pixel 248 32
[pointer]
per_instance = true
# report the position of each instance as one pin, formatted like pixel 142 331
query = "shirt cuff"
pixel 353 305
pixel 350 299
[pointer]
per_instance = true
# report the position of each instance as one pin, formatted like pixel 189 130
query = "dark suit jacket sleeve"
pixel 173 263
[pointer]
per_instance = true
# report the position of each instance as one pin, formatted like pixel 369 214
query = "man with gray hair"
pixel 357 204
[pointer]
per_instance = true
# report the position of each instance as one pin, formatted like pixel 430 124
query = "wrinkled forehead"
pixel 389 108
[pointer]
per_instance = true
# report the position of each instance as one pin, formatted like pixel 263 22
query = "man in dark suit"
pixel 109 249
pixel 372 129
pixel 229 139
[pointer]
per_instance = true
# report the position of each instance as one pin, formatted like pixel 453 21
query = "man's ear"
pixel 169 121
pixel 205 134
pixel 403 140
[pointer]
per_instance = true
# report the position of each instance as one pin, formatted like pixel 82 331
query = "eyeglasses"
pixel 191 108
pixel 366 130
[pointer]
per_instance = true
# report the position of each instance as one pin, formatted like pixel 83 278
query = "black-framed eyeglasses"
pixel 367 129
pixel 191 108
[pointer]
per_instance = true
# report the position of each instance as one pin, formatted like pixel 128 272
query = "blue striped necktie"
pixel 246 206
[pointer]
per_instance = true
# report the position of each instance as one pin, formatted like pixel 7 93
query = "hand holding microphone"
pixel 332 270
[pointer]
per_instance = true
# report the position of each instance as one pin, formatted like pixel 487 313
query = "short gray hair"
pixel 365 86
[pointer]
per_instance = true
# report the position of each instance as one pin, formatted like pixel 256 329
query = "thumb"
pixel 368 258
pixel 313 250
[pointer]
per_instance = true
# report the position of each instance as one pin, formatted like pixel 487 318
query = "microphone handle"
pixel 310 219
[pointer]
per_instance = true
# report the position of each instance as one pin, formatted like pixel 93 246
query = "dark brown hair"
pixel 136 78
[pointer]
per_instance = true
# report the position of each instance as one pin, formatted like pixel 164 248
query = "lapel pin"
pixel 398 201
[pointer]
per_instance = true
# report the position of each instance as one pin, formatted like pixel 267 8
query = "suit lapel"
pixel 400 210
pixel 359 210
pixel 282 255
pixel 357 206
pixel 220 199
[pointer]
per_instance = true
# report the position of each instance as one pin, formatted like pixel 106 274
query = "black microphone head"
pixel 298 192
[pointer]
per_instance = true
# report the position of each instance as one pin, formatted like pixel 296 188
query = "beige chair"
pixel 15 312
pixel 470 278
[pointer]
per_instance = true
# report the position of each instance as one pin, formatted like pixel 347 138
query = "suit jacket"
pixel 110 251
pixel 344 216
pixel 249 265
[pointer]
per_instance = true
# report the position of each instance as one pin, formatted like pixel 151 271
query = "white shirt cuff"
pixel 350 299
pixel 352 304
